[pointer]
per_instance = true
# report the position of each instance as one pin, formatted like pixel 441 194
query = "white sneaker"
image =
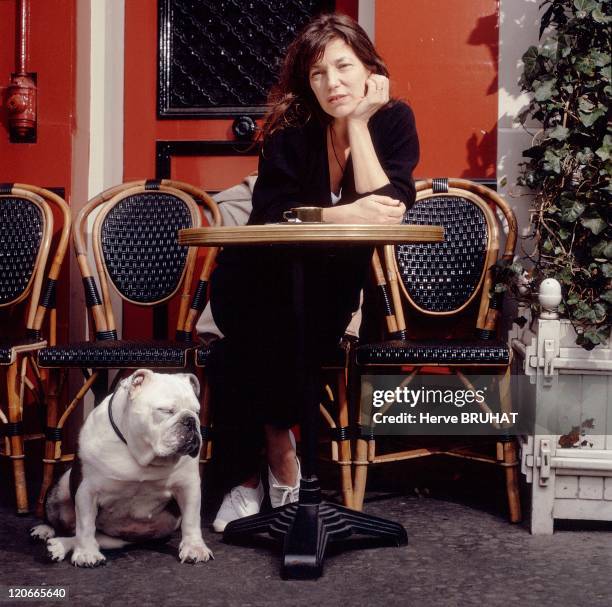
pixel 239 502
pixel 284 494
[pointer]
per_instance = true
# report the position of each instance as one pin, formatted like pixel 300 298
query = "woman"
pixel 332 139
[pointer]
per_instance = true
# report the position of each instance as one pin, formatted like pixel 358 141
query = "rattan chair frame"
pixel 491 257
pixel 102 313
pixel 34 285
pixel 387 279
pixel 101 308
pixel 41 292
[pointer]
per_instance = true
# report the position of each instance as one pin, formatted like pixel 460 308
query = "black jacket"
pixel 251 286
pixel 293 167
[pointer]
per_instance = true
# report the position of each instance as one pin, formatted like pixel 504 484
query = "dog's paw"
pixel 56 549
pixel 42 532
pixel 194 551
pixel 87 557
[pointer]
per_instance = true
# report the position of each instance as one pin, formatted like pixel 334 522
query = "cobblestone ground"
pixel 458 554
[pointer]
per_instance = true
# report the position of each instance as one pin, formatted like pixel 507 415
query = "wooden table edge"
pixel 336 234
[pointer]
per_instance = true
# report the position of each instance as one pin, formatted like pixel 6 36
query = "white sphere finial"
pixel 549 297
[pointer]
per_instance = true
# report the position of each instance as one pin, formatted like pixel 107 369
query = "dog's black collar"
pixel 112 421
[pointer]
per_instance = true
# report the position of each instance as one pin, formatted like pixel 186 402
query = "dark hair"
pixel 291 100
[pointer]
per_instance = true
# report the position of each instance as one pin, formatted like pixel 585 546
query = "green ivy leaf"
pixel 585 5
pixel 570 214
pixel 584 156
pixel 565 276
pixel 545 90
pixel 583 311
pixel 571 168
pixel 596 224
pixel 604 151
pixel 585 104
pixel 592 338
pixel 600 312
pixel 530 61
pixel 600 59
pixel 584 65
pixel 599 16
pixel 548 48
pixel 559 132
pixel 590 118
pixel 553 162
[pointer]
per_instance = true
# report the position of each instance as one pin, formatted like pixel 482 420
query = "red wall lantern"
pixel 22 93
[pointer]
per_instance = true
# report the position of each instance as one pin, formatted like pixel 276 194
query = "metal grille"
pixel 21 231
pixel 441 277
pixel 140 245
pixel 225 53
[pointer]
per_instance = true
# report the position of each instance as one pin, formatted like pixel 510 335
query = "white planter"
pixel 568 458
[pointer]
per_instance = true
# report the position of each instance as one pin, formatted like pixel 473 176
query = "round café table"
pixel 308 525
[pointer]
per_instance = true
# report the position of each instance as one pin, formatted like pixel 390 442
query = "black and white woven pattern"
pixel 441 277
pixel 116 354
pixel 140 245
pixel 7 345
pixel 439 351
pixel 21 231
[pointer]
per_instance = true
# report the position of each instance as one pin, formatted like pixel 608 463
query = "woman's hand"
pixel 369 209
pixel 376 95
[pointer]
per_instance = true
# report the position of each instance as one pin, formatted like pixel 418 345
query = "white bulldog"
pixel 136 475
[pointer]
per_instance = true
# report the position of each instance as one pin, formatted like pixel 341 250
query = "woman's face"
pixel 338 79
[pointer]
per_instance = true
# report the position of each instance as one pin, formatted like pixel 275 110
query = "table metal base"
pixel 307 526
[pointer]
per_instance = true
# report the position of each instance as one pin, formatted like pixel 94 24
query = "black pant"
pixel 253 370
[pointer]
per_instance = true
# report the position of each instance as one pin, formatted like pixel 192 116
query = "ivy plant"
pixel 570 164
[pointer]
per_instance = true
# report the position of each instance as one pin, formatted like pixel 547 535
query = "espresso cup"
pixel 304 215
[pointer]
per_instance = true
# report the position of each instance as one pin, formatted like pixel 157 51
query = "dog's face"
pixel 162 415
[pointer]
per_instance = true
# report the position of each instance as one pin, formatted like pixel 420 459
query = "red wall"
pixel 48 162
pixel 442 57
pixel 142 128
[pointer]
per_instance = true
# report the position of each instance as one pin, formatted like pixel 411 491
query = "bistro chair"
pixel 134 242
pixel 27 216
pixel 438 285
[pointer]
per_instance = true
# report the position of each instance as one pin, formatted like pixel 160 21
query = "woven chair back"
pixel 137 238
pixel 26 224
pixel 444 277
pixel 135 246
